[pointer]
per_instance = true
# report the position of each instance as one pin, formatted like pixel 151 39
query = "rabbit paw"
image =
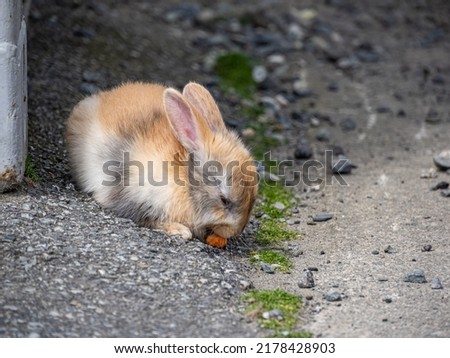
pixel 176 229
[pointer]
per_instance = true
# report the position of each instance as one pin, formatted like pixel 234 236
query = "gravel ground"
pixel 369 81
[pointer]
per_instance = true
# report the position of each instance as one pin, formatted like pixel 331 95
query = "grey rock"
pixel 442 160
pixel 439 186
pixel 306 280
pixel 347 63
pixel 182 12
pixel 259 74
pixel 375 252
pixel 267 268
pixel 427 248
pixel 433 117
pixel 416 276
pixel 436 284
pixel 92 76
pixel 88 88
pixel 445 193
pixel 84 32
pixel 322 217
pixel 348 124
pixel 323 134
pixel 9 238
pixel 333 296
pixel 389 250
pixel 303 151
pixel 273 314
pixel 366 53
pixel 341 165
pixel 388 300
pixel 278 205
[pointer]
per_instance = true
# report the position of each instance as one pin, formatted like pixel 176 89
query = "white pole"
pixel 13 93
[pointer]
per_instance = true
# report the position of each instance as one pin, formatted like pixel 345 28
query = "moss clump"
pixel 271 193
pixel 271 232
pixel 30 170
pixel 268 300
pixel 280 261
pixel 295 334
pixel 235 73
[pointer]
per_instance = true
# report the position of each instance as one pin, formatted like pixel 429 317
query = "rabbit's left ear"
pixel 200 98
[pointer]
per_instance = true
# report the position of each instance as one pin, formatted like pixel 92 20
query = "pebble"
pixel 333 87
pixel 183 11
pixel 427 248
pixel 439 186
pixel 416 276
pixel 267 268
pixel 388 300
pixel 375 252
pixel 442 160
pixel 84 32
pixel 303 151
pixel 88 88
pixel 366 53
pixel 322 217
pixel 436 284
pixel 301 89
pixel 341 165
pixel 9 238
pixel 348 124
pixel 276 59
pixel 248 132
pixel 333 296
pixel 428 174
pixel 259 74
pixel 306 280
pixel 389 250
pixel 432 117
pixel 279 206
pixel 92 76
pixel 274 314
pixel 445 193
pixel 323 134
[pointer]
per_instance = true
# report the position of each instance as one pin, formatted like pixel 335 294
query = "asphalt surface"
pixel 71 269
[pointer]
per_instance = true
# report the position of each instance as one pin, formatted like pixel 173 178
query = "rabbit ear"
pixel 182 119
pixel 204 103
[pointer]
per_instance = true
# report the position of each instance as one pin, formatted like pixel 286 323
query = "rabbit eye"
pixel 225 201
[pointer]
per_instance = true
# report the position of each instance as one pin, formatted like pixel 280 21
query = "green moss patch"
pixel 235 73
pixel 271 232
pixel 271 193
pixel 268 300
pixel 280 261
pixel 30 170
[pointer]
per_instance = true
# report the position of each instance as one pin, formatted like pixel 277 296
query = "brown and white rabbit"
pixel 163 159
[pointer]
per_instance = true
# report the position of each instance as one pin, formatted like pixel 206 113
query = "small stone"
pixel 432 117
pixel 267 268
pixel 445 193
pixel 388 300
pixel 333 296
pixel 259 74
pixel 306 280
pixel 427 248
pixel 314 269
pixel 438 79
pixel 333 87
pixel 428 174
pixel 276 59
pixel 341 165
pixel 274 314
pixel 442 160
pixel 375 252
pixel 248 133
pixel 346 63
pixel 279 206
pixel 401 113
pixel 436 284
pixel 348 124
pixel 303 151
pixel 416 276
pixel 88 88
pixel 295 32
pixel 9 238
pixel 245 285
pixel 322 217
pixel 91 76
pixel 439 186
pixel 301 89
pixel 84 32
pixel 383 109
pixel 366 53
pixel 389 250
pixel 323 134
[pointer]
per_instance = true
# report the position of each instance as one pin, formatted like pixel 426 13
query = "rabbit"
pixel 163 159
